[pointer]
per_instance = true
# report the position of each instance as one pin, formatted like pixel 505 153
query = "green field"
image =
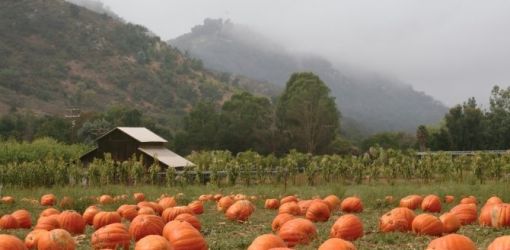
pixel 223 234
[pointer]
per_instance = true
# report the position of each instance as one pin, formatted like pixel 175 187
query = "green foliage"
pixel 394 140
pixel 13 151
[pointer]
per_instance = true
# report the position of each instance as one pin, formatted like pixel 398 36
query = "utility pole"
pixel 73 114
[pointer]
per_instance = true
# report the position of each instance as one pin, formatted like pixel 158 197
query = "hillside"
pixel 54 55
pixel 368 101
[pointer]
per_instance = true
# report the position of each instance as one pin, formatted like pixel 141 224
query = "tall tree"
pixel 306 114
pixel 498 119
pixel 465 126
pixel 201 127
pixel 422 136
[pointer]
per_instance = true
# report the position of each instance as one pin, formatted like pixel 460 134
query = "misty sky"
pixel 449 49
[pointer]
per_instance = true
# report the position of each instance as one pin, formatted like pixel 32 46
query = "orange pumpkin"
pixel 303 206
pixel 105 199
pixel 452 242
pixel 449 199
pixel 466 213
pixel 240 210
pixel 500 215
pixel 111 236
pixel 397 220
pixel 389 199
pixel 217 197
pixel 485 218
pixel 272 204
pixel 289 208
pixel 191 219
pixel 143 225
pixel 337 244
pixel 153 242
pixel 9 242
pixel 427 224
pixel 23 217
pixel 8 222
pixel 139 197
pixel 224 203
pixel 333 202
pixel 469 200
pixel 318 211
pixel 48 200
pixel 297 231
pixel 411 201
pixel 48 212
pixel 48 223
pixel 279 220
pixel 146 210
pixel 290 198
pixel 66 202
pixel 183 236
pixel 351 205
pixel 500 243
pixel 347 227
pixel 167 202
pixel 451 223
pixel 266 241
pixel 431 203
pixel 105 218
pixel 128 212
pixel 72 221
pixel 33 237
pixel 89 213
pixel 197 207
pixel 169 214
pixel 155 206
pixel 56 239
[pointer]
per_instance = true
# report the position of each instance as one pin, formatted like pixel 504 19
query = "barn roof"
pixel 166 156
pixel 140 134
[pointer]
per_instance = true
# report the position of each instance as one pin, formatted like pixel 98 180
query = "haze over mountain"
pixel 375 102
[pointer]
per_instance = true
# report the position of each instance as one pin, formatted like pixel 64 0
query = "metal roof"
pixel 166 156
pixel 140 134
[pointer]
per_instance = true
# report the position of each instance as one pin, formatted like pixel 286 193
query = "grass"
pixel 223 234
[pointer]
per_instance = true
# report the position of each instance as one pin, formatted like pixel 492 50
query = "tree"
pixel 422 136
pixel 246 123
pixel 201 127
pixel 498 119
pixel 306 114
pixel 465 126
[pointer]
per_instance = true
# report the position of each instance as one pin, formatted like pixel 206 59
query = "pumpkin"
pixel 493 200
pixel 347 227
pixel 8 222
pixel 205 197
pixel 469 200
pixel 111 236
pixel 240 210
pixel 500 215
pixel 146 210
pixel 56 239
pixel 290 198
pixel 449 199
pixel 389 199
pixel 139 197
pixel 72 221
pixel 431 203
pixel 266 241
pixel 485 218
pixel 224 203
pixel 143 225
pixel 23 218
pixel 279 220
pixel 466 213
pixel 153 242
pixel 9 242
pixel 48 200
pixel 451 223
pixel 427 224
pixel 239 197
pixel 351 205
pixel 169 214
pixel 333 202
pixel 48 223
pixel 217 197
pixel 105 199
pixel 33 237
pixel 318 211
pixel 397 220
pixel 272 204
pixel 289 208
pixel 183 236
pixel 303 206
pixel 197 207
pixel 167 202
pixel 7 200
pixel 48 212
pixel 66 202
pixel 191 219
pixel 105 218
pixel 337 244
pixel 297 231
pixel 128 212
pixel 155 206
pixel 500 243
pixel 411 201
pixel 452 242
pixel 89 213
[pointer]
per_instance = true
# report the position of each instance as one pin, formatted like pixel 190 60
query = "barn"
pixel 124 142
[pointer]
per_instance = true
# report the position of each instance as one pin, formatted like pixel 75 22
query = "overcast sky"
pixel 450 49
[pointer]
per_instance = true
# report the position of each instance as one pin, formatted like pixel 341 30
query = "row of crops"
pixel 248 168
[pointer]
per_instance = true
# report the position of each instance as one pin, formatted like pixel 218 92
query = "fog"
pixel 449 49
